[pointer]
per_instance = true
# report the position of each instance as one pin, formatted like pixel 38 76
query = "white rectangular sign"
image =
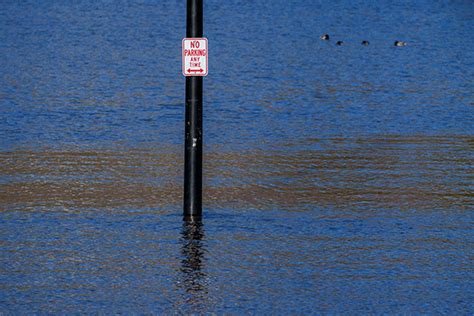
pixel 195 54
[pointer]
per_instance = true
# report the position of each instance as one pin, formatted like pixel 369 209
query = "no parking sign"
pixel 195 54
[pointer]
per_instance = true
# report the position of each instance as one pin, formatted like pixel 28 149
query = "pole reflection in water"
pixel 193 280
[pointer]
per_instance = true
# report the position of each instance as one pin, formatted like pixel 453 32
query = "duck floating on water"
pixel 400 43
pixel 324 37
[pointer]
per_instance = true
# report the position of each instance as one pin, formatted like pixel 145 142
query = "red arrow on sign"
pixel 196 70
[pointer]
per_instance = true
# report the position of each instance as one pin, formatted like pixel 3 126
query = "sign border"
pixel 182 58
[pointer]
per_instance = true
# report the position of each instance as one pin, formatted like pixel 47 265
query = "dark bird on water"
pixel 324 37
pixel 400 43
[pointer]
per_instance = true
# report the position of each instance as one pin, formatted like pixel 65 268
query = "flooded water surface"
pixel 336 178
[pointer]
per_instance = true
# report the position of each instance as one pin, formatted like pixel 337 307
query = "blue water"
pixel 338 179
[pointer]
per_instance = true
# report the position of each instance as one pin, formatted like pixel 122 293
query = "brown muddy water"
pixel 389 173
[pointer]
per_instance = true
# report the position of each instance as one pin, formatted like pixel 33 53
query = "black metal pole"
pixel 193 128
